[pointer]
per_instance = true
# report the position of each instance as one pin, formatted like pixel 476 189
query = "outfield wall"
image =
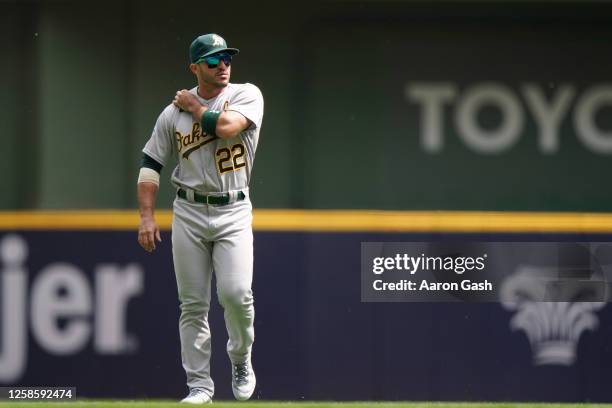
pixel 87 307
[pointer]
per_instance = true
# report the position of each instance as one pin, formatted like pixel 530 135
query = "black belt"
pixel 223 199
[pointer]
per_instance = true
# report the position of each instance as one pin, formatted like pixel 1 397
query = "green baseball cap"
pixel 208 44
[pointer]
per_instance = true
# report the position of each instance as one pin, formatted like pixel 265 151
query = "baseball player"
pixel 213 131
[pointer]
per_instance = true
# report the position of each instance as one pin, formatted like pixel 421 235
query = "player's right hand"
pixel 148 232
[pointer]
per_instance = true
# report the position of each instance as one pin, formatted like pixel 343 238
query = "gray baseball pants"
pixel 207 239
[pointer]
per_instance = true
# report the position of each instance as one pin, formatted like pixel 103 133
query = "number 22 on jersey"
pixel 230 158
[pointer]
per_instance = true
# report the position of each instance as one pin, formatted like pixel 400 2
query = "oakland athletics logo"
pixel 217 41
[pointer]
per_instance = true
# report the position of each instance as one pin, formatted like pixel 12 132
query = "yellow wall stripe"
pixel 331 221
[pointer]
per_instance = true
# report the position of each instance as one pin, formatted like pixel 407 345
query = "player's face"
pixel 215 74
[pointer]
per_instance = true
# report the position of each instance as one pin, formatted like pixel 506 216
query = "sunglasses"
pixel 214 60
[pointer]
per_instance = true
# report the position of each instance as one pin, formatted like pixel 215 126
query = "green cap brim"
pixel 230 51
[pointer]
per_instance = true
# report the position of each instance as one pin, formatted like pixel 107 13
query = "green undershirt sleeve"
pixel 151 163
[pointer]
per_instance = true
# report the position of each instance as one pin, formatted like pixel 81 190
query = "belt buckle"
pixel 207 198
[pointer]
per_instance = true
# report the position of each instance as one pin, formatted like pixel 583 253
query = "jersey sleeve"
pixel 161 144
pixel 248 101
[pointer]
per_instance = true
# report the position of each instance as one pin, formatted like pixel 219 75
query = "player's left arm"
pixel 227 124
pixel 231 123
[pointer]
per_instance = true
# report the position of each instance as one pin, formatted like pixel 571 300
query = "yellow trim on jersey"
pixel 331 221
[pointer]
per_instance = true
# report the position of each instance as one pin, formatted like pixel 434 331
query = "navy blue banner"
pixel 92 310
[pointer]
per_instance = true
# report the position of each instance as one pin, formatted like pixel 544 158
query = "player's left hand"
pixel 186 101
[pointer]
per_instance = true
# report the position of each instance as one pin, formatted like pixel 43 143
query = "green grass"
pixel 273 404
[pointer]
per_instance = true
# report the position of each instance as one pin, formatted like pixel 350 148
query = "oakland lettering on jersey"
pixel 191 141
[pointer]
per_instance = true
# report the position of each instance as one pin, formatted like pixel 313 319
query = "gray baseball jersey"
pixel 206 163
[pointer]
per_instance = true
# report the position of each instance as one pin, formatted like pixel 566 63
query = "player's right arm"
pixel 155 154
pixel 148 184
